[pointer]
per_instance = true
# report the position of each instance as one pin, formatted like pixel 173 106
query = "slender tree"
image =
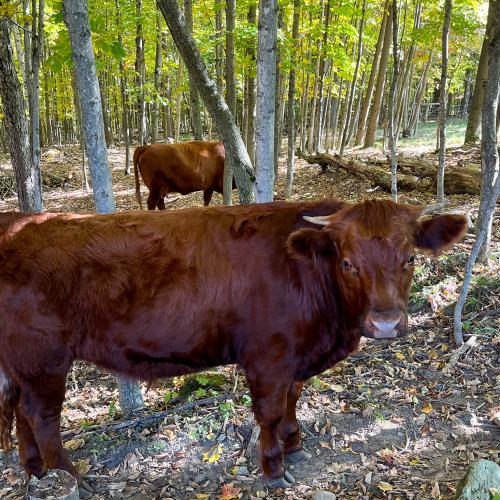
pixel 490 188
pixel 443 102
pixel 266 88
pixel 291 101
pixel 29 192
pixel 77 20
pixel 193 91
pixel 392 103
pixel 236 153
pixel 140 73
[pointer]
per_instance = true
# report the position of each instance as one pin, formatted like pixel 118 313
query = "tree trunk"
pixel 490 189
pixel 218 48
pixel 371 80
pixel 442 101
pixel 140 74
pixel 155 120
pixel 236 153
pixel 474 121
pixel 379 88
pixel 193 91
pixel 37 32
pixel 28 184
pixel 279 100
pixel 266 88
pixel 291 101
pixel 108 135
pixel 392 104
pixel 76 17
pixel 354 79
pixel 490 185
pixel 250 138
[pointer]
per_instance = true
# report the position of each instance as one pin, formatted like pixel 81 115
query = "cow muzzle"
pixel 385 325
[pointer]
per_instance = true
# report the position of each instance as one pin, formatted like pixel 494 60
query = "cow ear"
pixel 440 232
pixel 307 244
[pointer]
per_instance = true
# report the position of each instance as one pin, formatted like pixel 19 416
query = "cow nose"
pixel 384 326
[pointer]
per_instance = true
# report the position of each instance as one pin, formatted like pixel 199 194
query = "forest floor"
pixel 395 420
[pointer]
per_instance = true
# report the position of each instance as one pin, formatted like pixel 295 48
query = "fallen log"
pixel 422 176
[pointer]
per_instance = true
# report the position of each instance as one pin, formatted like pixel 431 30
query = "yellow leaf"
pixel 202 496
pixel 427 408
pixel 400 356
pixel 83 466
pixel 213 455
pixel 385 486
pixel 74 444
pixel 433 354
pixel 414 461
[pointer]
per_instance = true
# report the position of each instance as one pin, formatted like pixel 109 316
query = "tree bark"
pixel 379 88
pixel 354 79
pixel 250 104
pixel 236 153
pixel 490 189
pixel 393 140
pixel 266 88
pixel 490 185
pixel 193 91
pixel 218 48
pixel 76 18
pixel 29 192
pixel 140 73
pixel 155 120
pixel 291 101
pixel 363 115
pixel 443 101
pixel 474 121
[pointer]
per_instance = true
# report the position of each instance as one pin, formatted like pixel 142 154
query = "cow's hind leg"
pixel 289 428
pixel 29 453
pixel 269 406
pixel 41 403
pixel 207 196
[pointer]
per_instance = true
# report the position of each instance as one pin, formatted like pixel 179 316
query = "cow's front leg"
pixel 41 403
pixel 29 454
pixel 289 428
pixel 269 406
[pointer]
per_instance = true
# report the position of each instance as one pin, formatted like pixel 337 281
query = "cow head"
pixel 369 249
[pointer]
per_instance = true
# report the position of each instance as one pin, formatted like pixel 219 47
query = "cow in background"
pixel 284 290
pixel 179 168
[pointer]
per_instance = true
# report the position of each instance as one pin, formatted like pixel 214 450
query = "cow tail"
pixel 137 154
pixel 9 398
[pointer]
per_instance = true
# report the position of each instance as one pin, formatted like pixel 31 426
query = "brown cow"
pixel 179 168
pixel 155 295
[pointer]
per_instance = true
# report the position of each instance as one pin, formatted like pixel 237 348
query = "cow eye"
pixel 411 260
pixel 346 264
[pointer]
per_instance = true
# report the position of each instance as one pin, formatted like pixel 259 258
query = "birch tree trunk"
pixel 291 101
pixel 193 91
pixel 236 153
pixel 266 88
pixel 28 184
pixel 250 104
pixel 443 102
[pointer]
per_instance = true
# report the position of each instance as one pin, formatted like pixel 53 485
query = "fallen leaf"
pixel 385 486
pixel 229 492
pixel 427 408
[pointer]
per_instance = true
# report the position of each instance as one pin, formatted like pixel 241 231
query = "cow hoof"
pixel 297 456
pixel 281 482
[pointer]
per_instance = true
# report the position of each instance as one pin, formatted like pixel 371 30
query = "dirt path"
pixel 389 422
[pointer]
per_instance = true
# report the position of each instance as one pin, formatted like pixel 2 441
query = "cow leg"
pixel 269 406
pixel 29 453
pixel 207 196
pixel 289 428
pixel 153 198
pixel 41 403
pixel 161 204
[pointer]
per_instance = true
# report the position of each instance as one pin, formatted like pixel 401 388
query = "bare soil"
pixel 390 422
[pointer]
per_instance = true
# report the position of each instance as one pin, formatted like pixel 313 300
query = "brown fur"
pixel 155 295
pixel 179 168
